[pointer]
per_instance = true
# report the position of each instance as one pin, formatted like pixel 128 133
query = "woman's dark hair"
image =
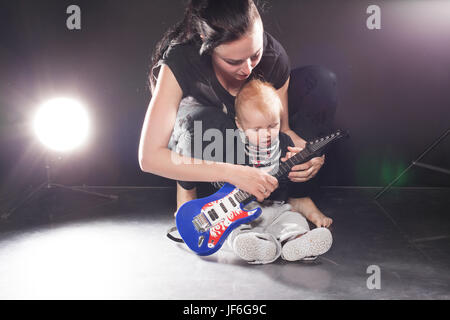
pixel 219 21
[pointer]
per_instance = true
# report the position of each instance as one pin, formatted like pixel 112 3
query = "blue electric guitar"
pixel 205 223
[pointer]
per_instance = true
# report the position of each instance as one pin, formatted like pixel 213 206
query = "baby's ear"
pixel 237 123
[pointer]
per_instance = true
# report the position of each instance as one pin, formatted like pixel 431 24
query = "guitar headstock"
pixel 311 149
pixel 322 142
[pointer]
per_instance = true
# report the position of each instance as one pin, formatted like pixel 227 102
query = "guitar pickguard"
pixel 233 213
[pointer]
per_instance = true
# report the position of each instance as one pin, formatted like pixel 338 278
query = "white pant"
pixel 275 220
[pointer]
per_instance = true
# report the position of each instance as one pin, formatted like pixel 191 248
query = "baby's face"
pixel 260 129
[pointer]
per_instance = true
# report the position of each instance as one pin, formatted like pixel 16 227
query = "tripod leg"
pixel 393 182
pixel 429 166
pixel 109 196
pixel 8 213
pixel 431 147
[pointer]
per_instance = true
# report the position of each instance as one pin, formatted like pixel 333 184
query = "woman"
pixel 197 69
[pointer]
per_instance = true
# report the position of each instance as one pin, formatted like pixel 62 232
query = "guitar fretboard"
pixel 285 167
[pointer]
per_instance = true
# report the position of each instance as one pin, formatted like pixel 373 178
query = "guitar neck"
pixel 312 148
pixel 283 169
pixel 286 166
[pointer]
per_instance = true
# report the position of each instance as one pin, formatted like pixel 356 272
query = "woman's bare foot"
pixel 307 207
pixel 184 196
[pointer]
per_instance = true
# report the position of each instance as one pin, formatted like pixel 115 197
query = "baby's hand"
pixel 292 152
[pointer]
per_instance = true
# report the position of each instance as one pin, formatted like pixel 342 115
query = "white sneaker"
pixel 309 245
pixel 256 248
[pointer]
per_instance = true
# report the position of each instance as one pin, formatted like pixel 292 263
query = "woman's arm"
pixel 156 158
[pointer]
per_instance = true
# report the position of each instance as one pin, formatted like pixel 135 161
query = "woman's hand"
pixel 253 180
pixel 305 171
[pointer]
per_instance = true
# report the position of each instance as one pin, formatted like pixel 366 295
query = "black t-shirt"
pixel 196 76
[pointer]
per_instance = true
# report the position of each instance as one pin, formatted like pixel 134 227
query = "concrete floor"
pixel 90 248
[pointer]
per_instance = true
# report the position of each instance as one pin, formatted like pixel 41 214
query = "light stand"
pixel 419 164
pixel 47 186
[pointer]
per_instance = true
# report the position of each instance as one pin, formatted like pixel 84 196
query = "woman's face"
pixel 238 58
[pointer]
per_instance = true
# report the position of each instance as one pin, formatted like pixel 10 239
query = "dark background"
pixel 393 84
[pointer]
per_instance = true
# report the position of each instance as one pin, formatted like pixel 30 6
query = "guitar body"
pixel 204 224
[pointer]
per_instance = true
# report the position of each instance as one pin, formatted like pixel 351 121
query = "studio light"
pixel 62 124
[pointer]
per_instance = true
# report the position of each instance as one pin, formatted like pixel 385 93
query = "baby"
pixel 282 229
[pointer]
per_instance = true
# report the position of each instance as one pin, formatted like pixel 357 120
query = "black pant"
pixel 312 106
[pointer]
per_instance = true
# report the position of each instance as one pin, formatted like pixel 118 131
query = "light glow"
pixel 62 124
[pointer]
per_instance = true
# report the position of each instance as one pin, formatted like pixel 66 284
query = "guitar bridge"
pixel 201 223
